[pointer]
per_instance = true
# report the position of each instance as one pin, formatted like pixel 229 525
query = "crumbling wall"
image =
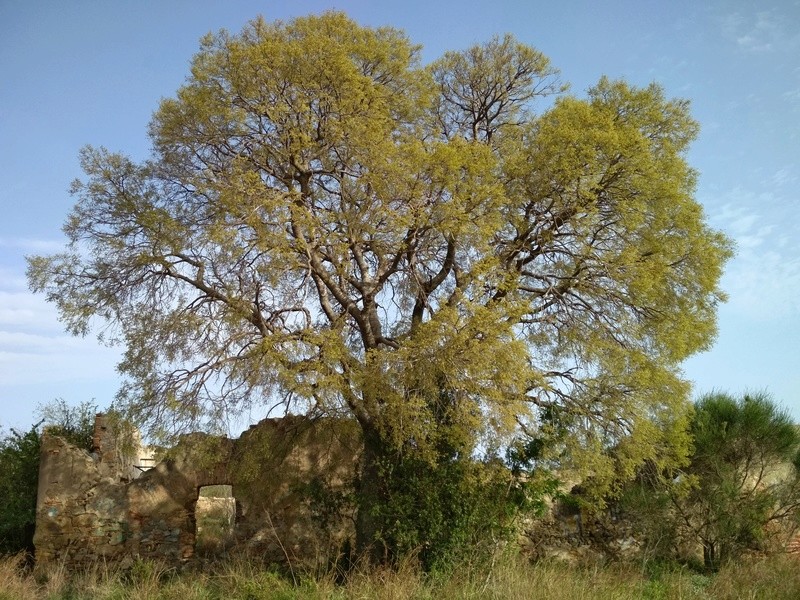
pixel 117 449
pixel 90 506
pixel 575 531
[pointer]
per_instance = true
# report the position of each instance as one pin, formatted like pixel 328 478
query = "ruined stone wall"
pixel 117 448
pixel 90 506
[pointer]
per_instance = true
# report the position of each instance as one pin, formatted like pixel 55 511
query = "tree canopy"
pixel 328 225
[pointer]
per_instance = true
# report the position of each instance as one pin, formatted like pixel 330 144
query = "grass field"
pixel 776 578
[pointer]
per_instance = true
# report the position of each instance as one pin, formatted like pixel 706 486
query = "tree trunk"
pixel 371 492
pixel 710 558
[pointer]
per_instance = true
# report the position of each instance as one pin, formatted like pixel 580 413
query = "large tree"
pixel 327 224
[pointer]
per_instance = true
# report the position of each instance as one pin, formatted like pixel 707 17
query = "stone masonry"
pixel 100 506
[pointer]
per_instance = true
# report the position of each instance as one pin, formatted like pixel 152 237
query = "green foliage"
pixel 745 452
pixel 326 224
pixel 216 491
pixel 648 503
pixel 73 423
pixel 19 480
pixel 449 512
pixel 731 433
pixel 739 491
pixel 453 511
pixel 327 506
pixel 443 504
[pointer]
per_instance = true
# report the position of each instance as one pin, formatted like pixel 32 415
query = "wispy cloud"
pixel 761 31
pixel 761 36
pixel 12 279
pixel 32 244
pixel 792 95
pixel 783 177
pixel 763 280
pixel 64 363
pixel 21 310
pixel 34 349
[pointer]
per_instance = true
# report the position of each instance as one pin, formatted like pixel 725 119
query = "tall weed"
pixel 507 578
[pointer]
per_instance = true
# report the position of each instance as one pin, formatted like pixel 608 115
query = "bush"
pixel 19 479
pixel 457 508
pixel 73 423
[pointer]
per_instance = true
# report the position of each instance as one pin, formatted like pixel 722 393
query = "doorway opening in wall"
pixel 215 518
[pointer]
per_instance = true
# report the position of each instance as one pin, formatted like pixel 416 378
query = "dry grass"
pixel 777 578
pixel 14 584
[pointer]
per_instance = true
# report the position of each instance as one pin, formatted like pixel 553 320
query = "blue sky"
pixel 91 72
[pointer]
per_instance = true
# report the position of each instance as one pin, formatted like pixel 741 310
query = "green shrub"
pixel 73 423
pixel 19 479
